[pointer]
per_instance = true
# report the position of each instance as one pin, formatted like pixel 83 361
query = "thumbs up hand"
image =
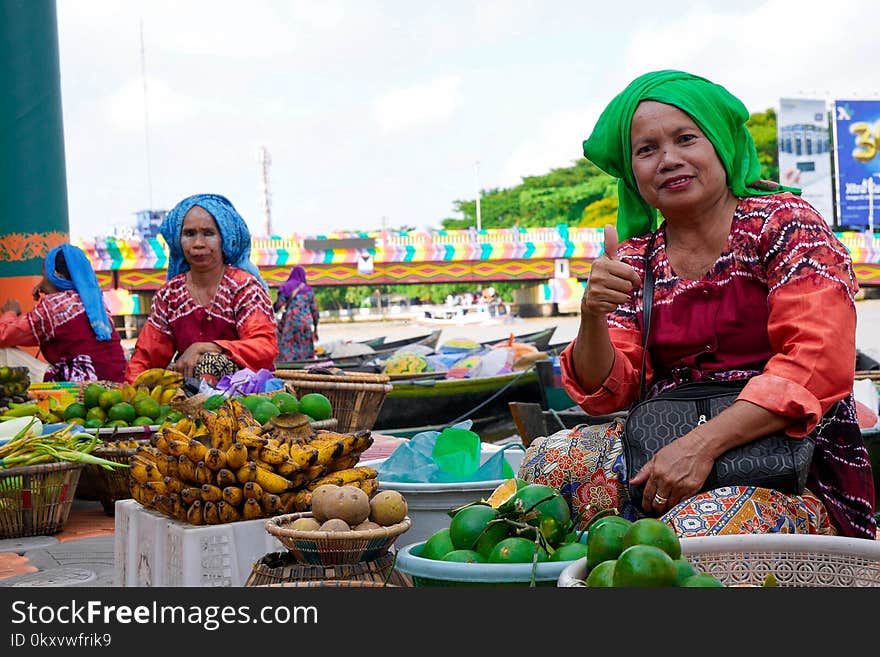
pixel 611 281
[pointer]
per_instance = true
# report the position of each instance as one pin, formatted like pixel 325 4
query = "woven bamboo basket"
pixel 107 486
pixel 323 548
pixel 356 397
pixel 35 500
pixel 282 567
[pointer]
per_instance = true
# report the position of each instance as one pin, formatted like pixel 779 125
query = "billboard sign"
pixel 805 153
pixel 856 145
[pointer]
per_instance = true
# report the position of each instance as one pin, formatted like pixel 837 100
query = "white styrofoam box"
pixel 151 549
pixel 428 504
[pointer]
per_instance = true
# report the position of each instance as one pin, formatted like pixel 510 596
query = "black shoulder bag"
pixel 774 461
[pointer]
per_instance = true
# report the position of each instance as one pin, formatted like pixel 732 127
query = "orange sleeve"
pixel 621 387
pixel 812 332
pixel 15 331
pixel 153 349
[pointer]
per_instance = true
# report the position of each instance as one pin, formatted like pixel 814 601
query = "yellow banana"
pixel 156 392
pixel 162 504
pixel 149 378
pixel 327 451
pixel 343 462
pixel 304 456
pixel 226 477
pixel 252 491
pixel 171 467
pixel 227 512
pixel 186 471
pixel 211 514
pixel 287 467
pixel 250 438
pixel 168 394
pixel 128 392
pixel 251 510
pixel 161 442
pixel 247 472
pixel 298 501
pixel 351 475
pixel 369 486
pixel 233 496
pixel 195 514
pixel 271 482
pixel 271 503
pixel 203 475
pixel 215 459
pixel 272 455
pixel 236 456
pixel 178 447
pixel 171 379
pixel 143 472
pixel 178 510
pixel 173 484
pixel 148 452
pixel 190 494
pixel 211 493
pixel 196 451
pixel 158 487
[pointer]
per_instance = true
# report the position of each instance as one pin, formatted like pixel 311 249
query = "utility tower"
pixel 265 160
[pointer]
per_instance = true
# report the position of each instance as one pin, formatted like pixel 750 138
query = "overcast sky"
pixel 379 111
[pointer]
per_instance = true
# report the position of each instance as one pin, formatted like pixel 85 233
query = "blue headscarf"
pixel 234 233
pixel 84 281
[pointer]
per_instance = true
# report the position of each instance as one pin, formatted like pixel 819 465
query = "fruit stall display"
pixel 223 465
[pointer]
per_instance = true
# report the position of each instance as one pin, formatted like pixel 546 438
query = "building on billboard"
pixel 856 142
pixel 148 221
pixel 804 152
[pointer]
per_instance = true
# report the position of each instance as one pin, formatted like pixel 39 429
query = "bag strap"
pixel 647 302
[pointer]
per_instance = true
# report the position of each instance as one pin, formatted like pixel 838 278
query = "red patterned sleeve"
pixel 16 331
pixel 257 344
pixel 812 318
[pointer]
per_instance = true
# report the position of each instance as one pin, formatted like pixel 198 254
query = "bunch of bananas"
pixel 159 384
pixel 14 383
pixel 228 470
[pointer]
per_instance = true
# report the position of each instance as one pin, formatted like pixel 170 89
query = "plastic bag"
pixel 452 455
pixel 246 381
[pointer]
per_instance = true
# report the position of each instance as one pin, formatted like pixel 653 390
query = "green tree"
pixel 762 126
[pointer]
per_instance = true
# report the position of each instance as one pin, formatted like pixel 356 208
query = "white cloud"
pixel 167 107
pixel 418 106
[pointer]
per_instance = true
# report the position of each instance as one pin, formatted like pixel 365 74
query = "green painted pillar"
pixel 33 186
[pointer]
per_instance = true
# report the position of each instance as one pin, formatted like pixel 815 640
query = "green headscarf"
pixel 719 114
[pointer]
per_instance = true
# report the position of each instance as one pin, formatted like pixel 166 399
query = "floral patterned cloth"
pixel 587 466
pixel 296 335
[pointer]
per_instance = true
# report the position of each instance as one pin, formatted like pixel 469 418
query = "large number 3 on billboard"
pixel 867 139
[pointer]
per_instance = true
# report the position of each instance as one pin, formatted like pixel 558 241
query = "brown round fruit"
pixel 388 507
pixel 335 525
pixel 346 503
pixel 317 500
pixel 305 525
pixel 366 525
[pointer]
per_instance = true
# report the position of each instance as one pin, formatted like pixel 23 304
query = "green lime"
pixel 96 413
pixel 569 552
pixel 516 549
pixel 685 569
pixel 468 524
pixel 554 515
pixel 121 424
pixel 316 406
pixel 489 538
pixel 650 531
pixel 286 402
pixel 264 411
pixel 143 421
pixel 252 401
pixel 214 402
pixel 602 575
pixel 122 411
pixel 702 581
pixel 644 565
pixel 76 409
pixel 464 556
pixel 605 542
pixel 93 423
pixel 108 398
pixel 438 545
pixel 147 407
pixel 92 394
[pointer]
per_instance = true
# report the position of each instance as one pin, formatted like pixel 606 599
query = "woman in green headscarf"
pixel 749 283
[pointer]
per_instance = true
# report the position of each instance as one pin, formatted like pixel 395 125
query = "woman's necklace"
pixel 203 295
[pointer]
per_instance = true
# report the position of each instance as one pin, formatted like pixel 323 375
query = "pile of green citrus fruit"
pixel 266 406
pixel 106 407
pixel 519 523
pixel 644 553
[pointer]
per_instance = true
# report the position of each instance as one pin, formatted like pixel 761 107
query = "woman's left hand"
pixel 676 473
pixel 186 362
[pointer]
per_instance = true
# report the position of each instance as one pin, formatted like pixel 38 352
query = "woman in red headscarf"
pixel 298 327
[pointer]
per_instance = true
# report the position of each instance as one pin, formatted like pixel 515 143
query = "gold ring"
pixel 659 499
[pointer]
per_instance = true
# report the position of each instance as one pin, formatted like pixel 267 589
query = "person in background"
pixel 298 326
pixel 213 316
pixel 750 284
pixel 70 323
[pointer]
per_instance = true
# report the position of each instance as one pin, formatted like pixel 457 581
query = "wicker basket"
pixel 356 397
pixel 794 560
pixel 105 485
pixel 282 567
pixel 324 548
pixel 35 500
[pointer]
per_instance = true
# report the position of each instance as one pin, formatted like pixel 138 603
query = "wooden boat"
pixel 477 314
pixel 428 402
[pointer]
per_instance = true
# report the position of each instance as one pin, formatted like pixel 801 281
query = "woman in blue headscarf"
pixel 213 316
pixel 70 322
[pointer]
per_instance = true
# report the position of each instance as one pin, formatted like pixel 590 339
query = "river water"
pixel 867 338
